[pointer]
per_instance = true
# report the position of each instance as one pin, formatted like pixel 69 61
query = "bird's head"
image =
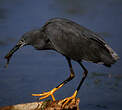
pixel 29 38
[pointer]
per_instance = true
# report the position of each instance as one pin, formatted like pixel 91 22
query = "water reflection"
pixel 2 43
pixel 108 80
pixel 3 13
pixel 70 7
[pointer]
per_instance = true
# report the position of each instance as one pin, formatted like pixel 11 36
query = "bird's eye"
pixel 22 40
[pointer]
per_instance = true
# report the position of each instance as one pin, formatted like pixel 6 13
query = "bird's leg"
pixel 84 76
pixel 72 75
pixel 50 93
pixel 66 100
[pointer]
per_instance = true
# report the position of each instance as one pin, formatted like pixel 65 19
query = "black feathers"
pixel 78 42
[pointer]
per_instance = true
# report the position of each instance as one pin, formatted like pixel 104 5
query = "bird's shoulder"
pixel 61 28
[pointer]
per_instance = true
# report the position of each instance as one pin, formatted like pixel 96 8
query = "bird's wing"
pixel 72 33
pixel 95 37
pixel 92 35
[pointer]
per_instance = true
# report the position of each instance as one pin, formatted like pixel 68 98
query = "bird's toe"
pixel 68 99
pixel 46 94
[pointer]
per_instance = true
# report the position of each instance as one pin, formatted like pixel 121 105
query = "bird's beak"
pixel 12 51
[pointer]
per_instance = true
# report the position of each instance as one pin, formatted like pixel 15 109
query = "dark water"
pixel 32 71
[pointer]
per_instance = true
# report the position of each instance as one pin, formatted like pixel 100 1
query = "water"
pixel 32 71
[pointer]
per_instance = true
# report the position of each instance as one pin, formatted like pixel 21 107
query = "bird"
pixel 72 40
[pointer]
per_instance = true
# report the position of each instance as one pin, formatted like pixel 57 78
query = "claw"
pixel 47 94
pixel 66 100
pixel 50 93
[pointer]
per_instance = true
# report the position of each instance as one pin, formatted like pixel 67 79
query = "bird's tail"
pixel 113 54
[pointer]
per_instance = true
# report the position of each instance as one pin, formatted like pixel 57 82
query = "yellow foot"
pixel 66 100
pixel 47 94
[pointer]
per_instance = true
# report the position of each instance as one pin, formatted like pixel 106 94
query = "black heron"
pixel 73 41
